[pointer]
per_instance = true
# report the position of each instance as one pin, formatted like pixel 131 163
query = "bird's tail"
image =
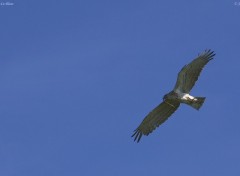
pixel 197 103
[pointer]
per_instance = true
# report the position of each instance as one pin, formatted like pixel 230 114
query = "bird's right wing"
pixel 190 72
pixel 155 118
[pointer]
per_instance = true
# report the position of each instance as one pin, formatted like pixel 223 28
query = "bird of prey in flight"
pixel 180 94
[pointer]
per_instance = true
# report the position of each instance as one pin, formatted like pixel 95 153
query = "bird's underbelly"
pixel 186 98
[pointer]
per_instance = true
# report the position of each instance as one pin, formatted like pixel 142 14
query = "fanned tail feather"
pixel 196 104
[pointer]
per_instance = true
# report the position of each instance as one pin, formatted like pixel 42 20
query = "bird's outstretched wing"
pixel 155 118
pixel 189 73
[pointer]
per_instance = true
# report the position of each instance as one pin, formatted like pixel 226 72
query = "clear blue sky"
pixel 77 77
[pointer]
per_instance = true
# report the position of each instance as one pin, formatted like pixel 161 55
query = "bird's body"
pixel 185 98
pixel 180 94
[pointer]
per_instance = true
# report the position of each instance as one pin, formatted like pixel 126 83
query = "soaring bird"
pixel 180 94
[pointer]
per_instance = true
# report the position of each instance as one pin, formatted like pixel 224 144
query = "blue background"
pixel 77 77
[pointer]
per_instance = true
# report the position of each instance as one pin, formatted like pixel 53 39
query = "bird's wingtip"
pixel 209 53
pixel 137 135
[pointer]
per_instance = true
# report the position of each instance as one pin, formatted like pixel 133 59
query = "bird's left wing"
pixel 155 118
pixel 190 72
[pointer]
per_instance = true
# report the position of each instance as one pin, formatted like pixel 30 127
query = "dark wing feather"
pixel 189 73
pixel 155 118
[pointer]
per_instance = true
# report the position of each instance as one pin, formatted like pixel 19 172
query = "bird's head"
pixel 165 97
pixel 169 95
